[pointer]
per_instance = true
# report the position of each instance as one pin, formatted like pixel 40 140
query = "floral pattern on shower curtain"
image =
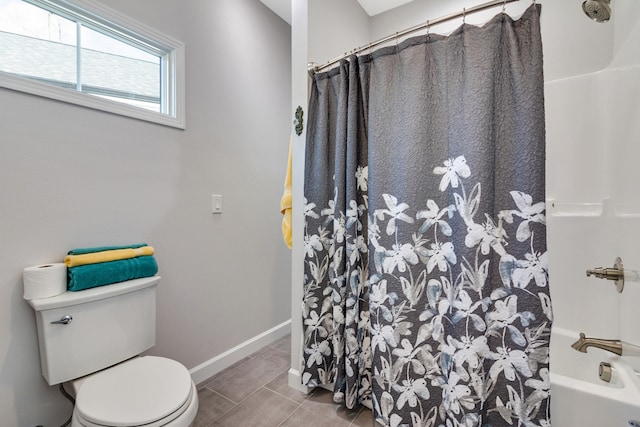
pixel 426 286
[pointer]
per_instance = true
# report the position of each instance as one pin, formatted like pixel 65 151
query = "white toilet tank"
pixel 107 325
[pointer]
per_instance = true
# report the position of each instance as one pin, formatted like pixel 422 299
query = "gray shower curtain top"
pixel 425 288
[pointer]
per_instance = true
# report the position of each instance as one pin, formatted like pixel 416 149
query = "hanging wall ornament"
pixel 298 120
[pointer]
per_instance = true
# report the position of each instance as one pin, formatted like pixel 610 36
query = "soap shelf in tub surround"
pixel 93 294
pixel 607 207
pixel 557 208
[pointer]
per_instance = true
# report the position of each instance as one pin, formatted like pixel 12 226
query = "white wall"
pixel 76 177
pixel 336 27
pixel 572 43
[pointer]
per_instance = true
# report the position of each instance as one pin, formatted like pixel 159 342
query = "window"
pixel 86 54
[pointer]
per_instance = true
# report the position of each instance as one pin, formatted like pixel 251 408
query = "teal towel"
pixel 105 273
pixel 80 251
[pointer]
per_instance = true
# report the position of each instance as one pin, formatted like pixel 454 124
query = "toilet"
pixel 92 341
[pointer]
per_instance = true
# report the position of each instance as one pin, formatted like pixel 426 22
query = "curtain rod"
pixel 313 68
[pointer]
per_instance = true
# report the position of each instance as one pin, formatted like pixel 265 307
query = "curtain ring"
pixel 464 15
pixel 504 6
pixel 428 29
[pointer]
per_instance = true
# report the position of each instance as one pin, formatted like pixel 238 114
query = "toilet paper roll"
pixel 44 281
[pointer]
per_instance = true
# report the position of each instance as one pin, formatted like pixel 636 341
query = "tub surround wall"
pixel 592 129
pixel 75 177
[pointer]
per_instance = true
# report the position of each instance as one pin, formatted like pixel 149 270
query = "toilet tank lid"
pixel 80 297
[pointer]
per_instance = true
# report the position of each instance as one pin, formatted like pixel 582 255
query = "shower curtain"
pixel 425 288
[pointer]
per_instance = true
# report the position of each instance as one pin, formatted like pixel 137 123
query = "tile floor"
pixel 254 393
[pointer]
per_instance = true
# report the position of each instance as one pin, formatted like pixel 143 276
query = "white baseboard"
pixel 295 382
pixel 206 370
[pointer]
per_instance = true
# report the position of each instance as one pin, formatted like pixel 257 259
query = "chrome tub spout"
pixel 613 346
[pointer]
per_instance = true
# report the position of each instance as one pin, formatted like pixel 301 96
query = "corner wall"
pixel 321 30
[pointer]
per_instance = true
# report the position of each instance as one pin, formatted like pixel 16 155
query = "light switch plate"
pixel 216 204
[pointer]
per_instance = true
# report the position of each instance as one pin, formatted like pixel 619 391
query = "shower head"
pixel 598 10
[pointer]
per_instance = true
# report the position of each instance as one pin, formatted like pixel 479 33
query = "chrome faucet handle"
pixel 616 273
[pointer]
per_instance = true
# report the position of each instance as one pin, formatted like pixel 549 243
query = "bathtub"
pixel 579 398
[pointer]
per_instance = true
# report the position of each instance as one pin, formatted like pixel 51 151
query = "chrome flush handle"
pixel 65 320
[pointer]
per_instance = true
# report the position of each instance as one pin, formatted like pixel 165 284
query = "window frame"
pixel 115 24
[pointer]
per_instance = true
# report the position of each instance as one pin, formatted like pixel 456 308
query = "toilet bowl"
pixel 145 391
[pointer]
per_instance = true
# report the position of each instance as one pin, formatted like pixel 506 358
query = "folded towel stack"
pixel 91 267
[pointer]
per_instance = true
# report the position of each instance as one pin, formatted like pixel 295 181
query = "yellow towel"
pixel 105 256
pixel 286 204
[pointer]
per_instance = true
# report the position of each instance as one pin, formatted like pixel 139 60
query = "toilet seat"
pixel 146 391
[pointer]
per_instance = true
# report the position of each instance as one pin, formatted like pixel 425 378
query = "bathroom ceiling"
pixel 372 7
